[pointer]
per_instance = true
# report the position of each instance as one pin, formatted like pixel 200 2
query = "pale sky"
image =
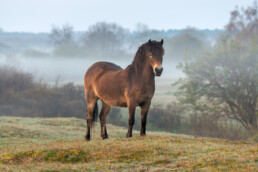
pixel 40 15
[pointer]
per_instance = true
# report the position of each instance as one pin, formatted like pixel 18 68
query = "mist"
pixel 50 69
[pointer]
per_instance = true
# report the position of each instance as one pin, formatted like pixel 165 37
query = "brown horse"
pixel 129 87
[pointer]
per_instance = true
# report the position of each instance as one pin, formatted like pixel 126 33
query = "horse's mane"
pixel 140 55
pixel 139 58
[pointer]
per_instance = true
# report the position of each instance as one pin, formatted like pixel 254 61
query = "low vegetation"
pixel 21 95
pixel 43 144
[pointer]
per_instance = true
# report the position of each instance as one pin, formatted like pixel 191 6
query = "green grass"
pixel 57 144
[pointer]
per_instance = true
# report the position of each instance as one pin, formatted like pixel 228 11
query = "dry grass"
pixel 36 144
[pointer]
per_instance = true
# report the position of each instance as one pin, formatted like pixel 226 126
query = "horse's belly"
pixel 113 97
pixel 114 102
pixel 119 104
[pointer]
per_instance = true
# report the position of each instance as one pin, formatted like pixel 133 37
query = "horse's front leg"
pixel 131 109
pixel 144 112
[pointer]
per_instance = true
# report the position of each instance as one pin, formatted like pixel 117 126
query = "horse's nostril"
pixel 158 71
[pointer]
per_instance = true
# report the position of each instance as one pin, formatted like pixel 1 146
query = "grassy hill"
pixel 46 144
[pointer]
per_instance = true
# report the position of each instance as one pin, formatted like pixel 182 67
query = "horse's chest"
pixel 145 93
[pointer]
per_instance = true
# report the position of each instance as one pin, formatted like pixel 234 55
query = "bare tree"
pixel 60 36
pixel 244 22
pixel 104 39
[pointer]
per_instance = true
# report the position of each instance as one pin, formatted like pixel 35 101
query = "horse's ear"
pixel 161 42
pixel 149 42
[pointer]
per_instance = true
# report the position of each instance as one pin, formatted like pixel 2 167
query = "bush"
pixel 20 95
pixel 222 82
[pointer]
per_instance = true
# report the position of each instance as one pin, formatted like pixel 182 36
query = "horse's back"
pixel 97 70
pixel 107 66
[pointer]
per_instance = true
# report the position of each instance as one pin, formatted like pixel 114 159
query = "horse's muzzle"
pixel 158 71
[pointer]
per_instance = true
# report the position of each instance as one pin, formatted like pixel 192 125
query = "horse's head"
pixel 155 56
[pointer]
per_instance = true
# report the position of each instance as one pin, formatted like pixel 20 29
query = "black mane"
pixel 140 55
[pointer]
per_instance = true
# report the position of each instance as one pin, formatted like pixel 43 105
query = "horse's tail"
pixel 95 113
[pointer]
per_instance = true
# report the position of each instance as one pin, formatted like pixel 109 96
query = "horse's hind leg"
pixel 103 115
pixel 91 103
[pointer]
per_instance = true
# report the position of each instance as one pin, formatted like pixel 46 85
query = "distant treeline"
pixel 104 40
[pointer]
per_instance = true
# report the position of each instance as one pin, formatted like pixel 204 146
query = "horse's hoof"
pixel 128 135
pixel 87 138
pixel 105 137
pixel 143 134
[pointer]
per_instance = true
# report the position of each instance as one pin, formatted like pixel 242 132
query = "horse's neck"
pixel 145 74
